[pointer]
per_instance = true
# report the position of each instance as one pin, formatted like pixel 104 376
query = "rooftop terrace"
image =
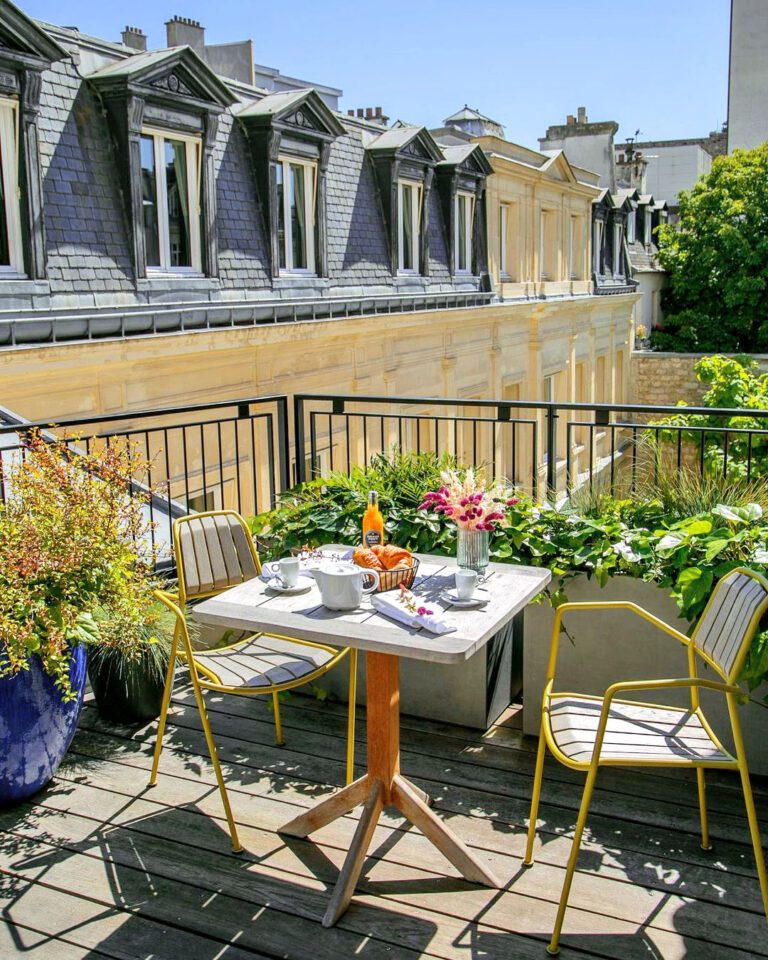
pixel 98 866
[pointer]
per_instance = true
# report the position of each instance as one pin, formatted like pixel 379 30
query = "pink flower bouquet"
pixel 467 501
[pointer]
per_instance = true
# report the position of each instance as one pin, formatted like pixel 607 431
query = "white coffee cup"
pixel 286 570
pixel 466 581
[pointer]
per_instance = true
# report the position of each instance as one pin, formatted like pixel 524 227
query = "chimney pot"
pixel 570 120
pixel 378 112
pixel 360 112
pixel 582 114
pixel 350 113
pixel 134 38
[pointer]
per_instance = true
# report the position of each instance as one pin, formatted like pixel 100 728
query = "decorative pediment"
pixel 301 113
pixel 467 159
pixel 406 143
pixel 22 40
pixel 176 76
pixel 557 167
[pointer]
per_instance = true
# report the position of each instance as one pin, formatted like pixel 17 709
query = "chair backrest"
pixel 730 619
pixel 214 550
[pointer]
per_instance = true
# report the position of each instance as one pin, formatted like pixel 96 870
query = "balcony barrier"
pixel 243 454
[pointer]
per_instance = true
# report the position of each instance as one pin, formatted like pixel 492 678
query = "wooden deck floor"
pixel 99 867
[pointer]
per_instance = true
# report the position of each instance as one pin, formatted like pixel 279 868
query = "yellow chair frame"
pixel 204 679
pixel 729 688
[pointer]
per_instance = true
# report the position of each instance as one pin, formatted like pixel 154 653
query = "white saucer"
pixel 279 587
pixel 480 598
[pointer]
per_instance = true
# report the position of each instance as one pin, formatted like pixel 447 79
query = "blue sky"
pixel 522 62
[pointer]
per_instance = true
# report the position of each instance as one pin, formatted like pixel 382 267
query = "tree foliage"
pixel 717 260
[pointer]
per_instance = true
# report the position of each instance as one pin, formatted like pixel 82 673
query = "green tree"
pixel 717 260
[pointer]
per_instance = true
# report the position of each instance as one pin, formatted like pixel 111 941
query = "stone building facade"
pixel 179 236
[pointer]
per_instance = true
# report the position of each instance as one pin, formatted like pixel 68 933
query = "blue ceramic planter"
pixel 36 727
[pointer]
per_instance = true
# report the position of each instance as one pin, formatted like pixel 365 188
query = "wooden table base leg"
pixel 329 809
pixel 409 802
pixel 350 871
pixel 383 786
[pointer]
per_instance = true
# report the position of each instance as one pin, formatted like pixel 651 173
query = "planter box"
pixel 472 694
pixel 611 646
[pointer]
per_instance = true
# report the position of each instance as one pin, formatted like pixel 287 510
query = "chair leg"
pixel 236 845
pixel 554 944
pixel 537 779
pixel 279 738
pixel 702 786
pixel 169 678
pixel 351 716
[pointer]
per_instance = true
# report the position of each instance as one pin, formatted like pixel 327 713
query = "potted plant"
pixel 71 530
pixel 128 661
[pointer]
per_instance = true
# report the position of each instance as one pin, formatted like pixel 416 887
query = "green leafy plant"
pixel 733 382
pixel 646 537
pixel 72 531
pixel 716 258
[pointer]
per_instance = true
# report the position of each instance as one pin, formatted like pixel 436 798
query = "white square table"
pixel 253 607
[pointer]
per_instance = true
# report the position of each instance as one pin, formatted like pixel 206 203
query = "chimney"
pixel 182 32
pixel 135 38
pixel 582 115
pixel 371 114
pixel 570 120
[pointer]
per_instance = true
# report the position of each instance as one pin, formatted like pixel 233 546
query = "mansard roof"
pixel 177 72
pixel 303 108
pixel 467 157
pixel 22 35
pixel 467 113
pixel 413 142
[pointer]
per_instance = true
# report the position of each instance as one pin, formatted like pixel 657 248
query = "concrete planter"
pixel 610 646
pixel 472 694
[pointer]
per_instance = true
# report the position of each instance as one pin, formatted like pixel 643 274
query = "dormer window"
pixel 11 249
pixel 409 225
pixel 463 226
pixel 296 214
pixel 618 243
pixel 170 180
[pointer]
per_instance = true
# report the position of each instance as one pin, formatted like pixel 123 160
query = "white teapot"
pixel 342 584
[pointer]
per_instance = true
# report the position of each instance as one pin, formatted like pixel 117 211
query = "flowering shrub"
pixel 466 501
pixel 69 535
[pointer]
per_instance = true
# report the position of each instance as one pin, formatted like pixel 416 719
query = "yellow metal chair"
pixel 215 551
pixel 585 732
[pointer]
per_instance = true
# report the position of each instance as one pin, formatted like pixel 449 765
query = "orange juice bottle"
pixel 373 522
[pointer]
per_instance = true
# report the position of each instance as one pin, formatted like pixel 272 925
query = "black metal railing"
pixel 544 448
pixel 244 453
pixel 230 453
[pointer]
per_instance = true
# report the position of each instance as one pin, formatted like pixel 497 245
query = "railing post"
pixel 284 449
pixel 551 452
pixel 299 438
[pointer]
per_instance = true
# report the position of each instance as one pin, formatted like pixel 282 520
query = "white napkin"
pixel 391 605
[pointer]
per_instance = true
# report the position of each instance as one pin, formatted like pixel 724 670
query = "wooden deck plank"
pixel 128 865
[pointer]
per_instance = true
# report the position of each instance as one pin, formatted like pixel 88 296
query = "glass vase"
pixel 472 549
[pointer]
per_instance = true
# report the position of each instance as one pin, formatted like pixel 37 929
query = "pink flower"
pixel 513 501
pixel 424 612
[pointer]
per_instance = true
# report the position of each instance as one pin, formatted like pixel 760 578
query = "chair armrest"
pixel 575 607
pixel 696 682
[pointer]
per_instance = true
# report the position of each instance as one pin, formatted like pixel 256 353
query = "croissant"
pixel 391 556
pixel 364 557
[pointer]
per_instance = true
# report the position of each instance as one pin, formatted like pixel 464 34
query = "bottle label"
pixel 372 538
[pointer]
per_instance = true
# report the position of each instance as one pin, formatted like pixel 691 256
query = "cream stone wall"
pixel 542 197
pixel 503 351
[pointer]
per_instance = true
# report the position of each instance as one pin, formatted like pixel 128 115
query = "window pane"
pixel 406 199
pixel 177 189
pixel 280 215
pixel 149 202
pixel 298 217
pixel 462 238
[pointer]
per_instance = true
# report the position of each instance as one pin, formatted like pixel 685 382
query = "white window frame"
pixel 463 196
pixel 193 152
pixel 544 219
pixel 647 227
pixel 598 231
pixel 9 146
pixel 631 219
pixel 416 200
pixel 310 214
pixel 504 210
pixel 573 243
pixel 618 243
